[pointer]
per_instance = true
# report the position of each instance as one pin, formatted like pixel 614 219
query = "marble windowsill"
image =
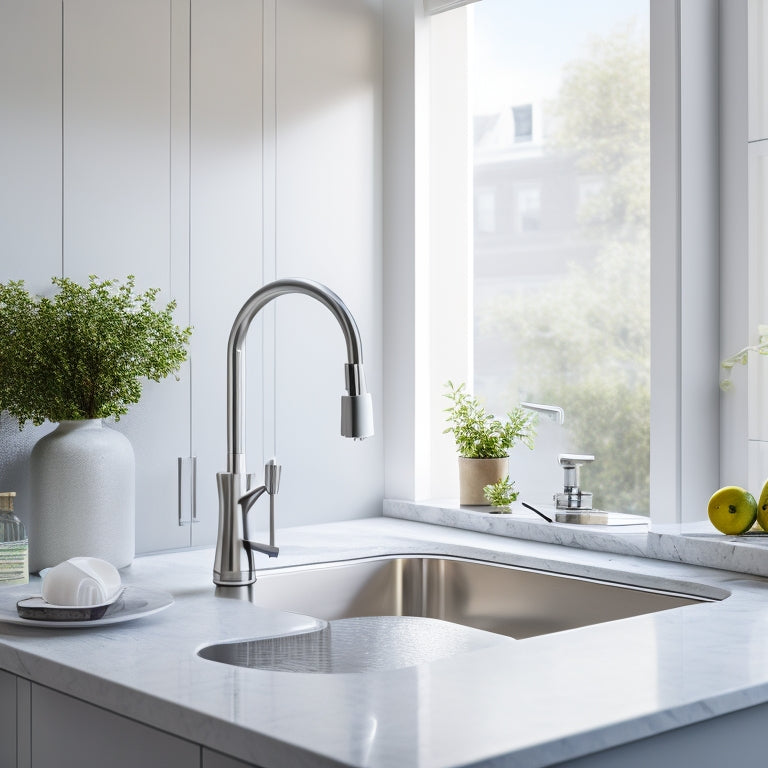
pixel 692 543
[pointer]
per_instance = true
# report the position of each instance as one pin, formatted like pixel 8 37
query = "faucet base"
pixel 599 517
pixel 234 579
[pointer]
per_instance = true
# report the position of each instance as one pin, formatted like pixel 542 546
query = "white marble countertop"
pixel 527 703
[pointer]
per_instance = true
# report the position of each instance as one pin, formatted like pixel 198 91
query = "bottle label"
pixel 14 562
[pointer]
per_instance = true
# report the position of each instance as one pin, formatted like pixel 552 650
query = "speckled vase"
pixel 82 496
pixel 475 474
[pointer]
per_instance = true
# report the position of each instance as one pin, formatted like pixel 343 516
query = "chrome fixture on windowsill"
pixel 573 499
pixel 235 494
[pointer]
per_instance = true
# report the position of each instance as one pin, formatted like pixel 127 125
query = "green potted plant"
pixel 483 442
pixel 501 494
pixel 76 358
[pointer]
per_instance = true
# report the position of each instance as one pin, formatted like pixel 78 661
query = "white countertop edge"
pixel 692 543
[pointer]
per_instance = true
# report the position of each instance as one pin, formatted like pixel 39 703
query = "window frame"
pixel 685 257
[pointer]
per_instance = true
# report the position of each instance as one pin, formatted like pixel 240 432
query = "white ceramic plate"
pixel 135 603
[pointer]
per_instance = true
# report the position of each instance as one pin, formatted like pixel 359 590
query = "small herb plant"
pixel 82 354
pixel 501 494
pixel 480 435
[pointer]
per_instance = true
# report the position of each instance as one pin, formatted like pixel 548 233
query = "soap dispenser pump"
pixel 573 499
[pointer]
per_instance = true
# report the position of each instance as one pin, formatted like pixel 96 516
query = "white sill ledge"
pixel 693 543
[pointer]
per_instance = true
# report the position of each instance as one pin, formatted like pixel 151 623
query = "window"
pixel 559 100
pixel 431 158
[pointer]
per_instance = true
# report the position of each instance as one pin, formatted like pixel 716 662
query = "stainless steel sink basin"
pixel 506 600
pixel 392 612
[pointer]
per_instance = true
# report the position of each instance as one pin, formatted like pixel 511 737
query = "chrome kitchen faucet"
pixel 236 495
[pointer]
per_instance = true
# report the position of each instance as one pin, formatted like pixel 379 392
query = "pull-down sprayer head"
pixel 356 406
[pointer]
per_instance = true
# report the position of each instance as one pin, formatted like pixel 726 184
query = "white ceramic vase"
pixel 82 495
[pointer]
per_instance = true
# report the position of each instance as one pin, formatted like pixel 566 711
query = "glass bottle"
pixel 14 545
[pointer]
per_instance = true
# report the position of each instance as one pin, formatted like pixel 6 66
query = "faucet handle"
pixel 265 549
pixel 272 472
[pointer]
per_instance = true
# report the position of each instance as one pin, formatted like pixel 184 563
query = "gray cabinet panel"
pixel 68 733
pixel 217 760
pixel 23 723
pixel 7 719
pixel 733 739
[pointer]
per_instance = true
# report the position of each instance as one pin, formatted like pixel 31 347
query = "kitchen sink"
pixel 391 612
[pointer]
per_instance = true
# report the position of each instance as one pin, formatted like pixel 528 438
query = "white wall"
pixel 207 146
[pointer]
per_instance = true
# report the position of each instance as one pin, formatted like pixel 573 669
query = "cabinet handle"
pixel 187 475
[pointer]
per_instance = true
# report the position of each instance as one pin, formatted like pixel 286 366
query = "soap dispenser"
pixel 14 545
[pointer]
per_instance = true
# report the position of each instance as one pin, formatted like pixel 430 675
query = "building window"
pixel 485 211
pixel 523 117
pixel 528 209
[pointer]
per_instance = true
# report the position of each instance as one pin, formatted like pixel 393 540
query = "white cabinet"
pixel 758 284
pixel 30 180
pixel 207 146
pixel 118 168
pixel 226 224
pixel 90 185
pixel 30 140
pixel 68 733
pixel 757 159
pixel 757 51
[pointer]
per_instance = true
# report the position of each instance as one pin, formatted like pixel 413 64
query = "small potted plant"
pixel 483 442
pixel 76 358
pixel 501 494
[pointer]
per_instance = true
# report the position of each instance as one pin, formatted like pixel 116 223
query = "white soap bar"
pixel 81 581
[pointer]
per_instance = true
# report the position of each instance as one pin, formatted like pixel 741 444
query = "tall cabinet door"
pixel 124 187
pixel 757 158
pixel 226 226
pixel 30 183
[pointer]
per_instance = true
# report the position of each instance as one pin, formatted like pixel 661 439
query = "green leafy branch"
pixel 83 353
pixel 501 494
pixel 480 435
pixel 742 356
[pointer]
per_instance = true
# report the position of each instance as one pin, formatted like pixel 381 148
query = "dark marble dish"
pixel 36 608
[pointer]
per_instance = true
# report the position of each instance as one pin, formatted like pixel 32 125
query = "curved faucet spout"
pixel 356 414
pixel 235 486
